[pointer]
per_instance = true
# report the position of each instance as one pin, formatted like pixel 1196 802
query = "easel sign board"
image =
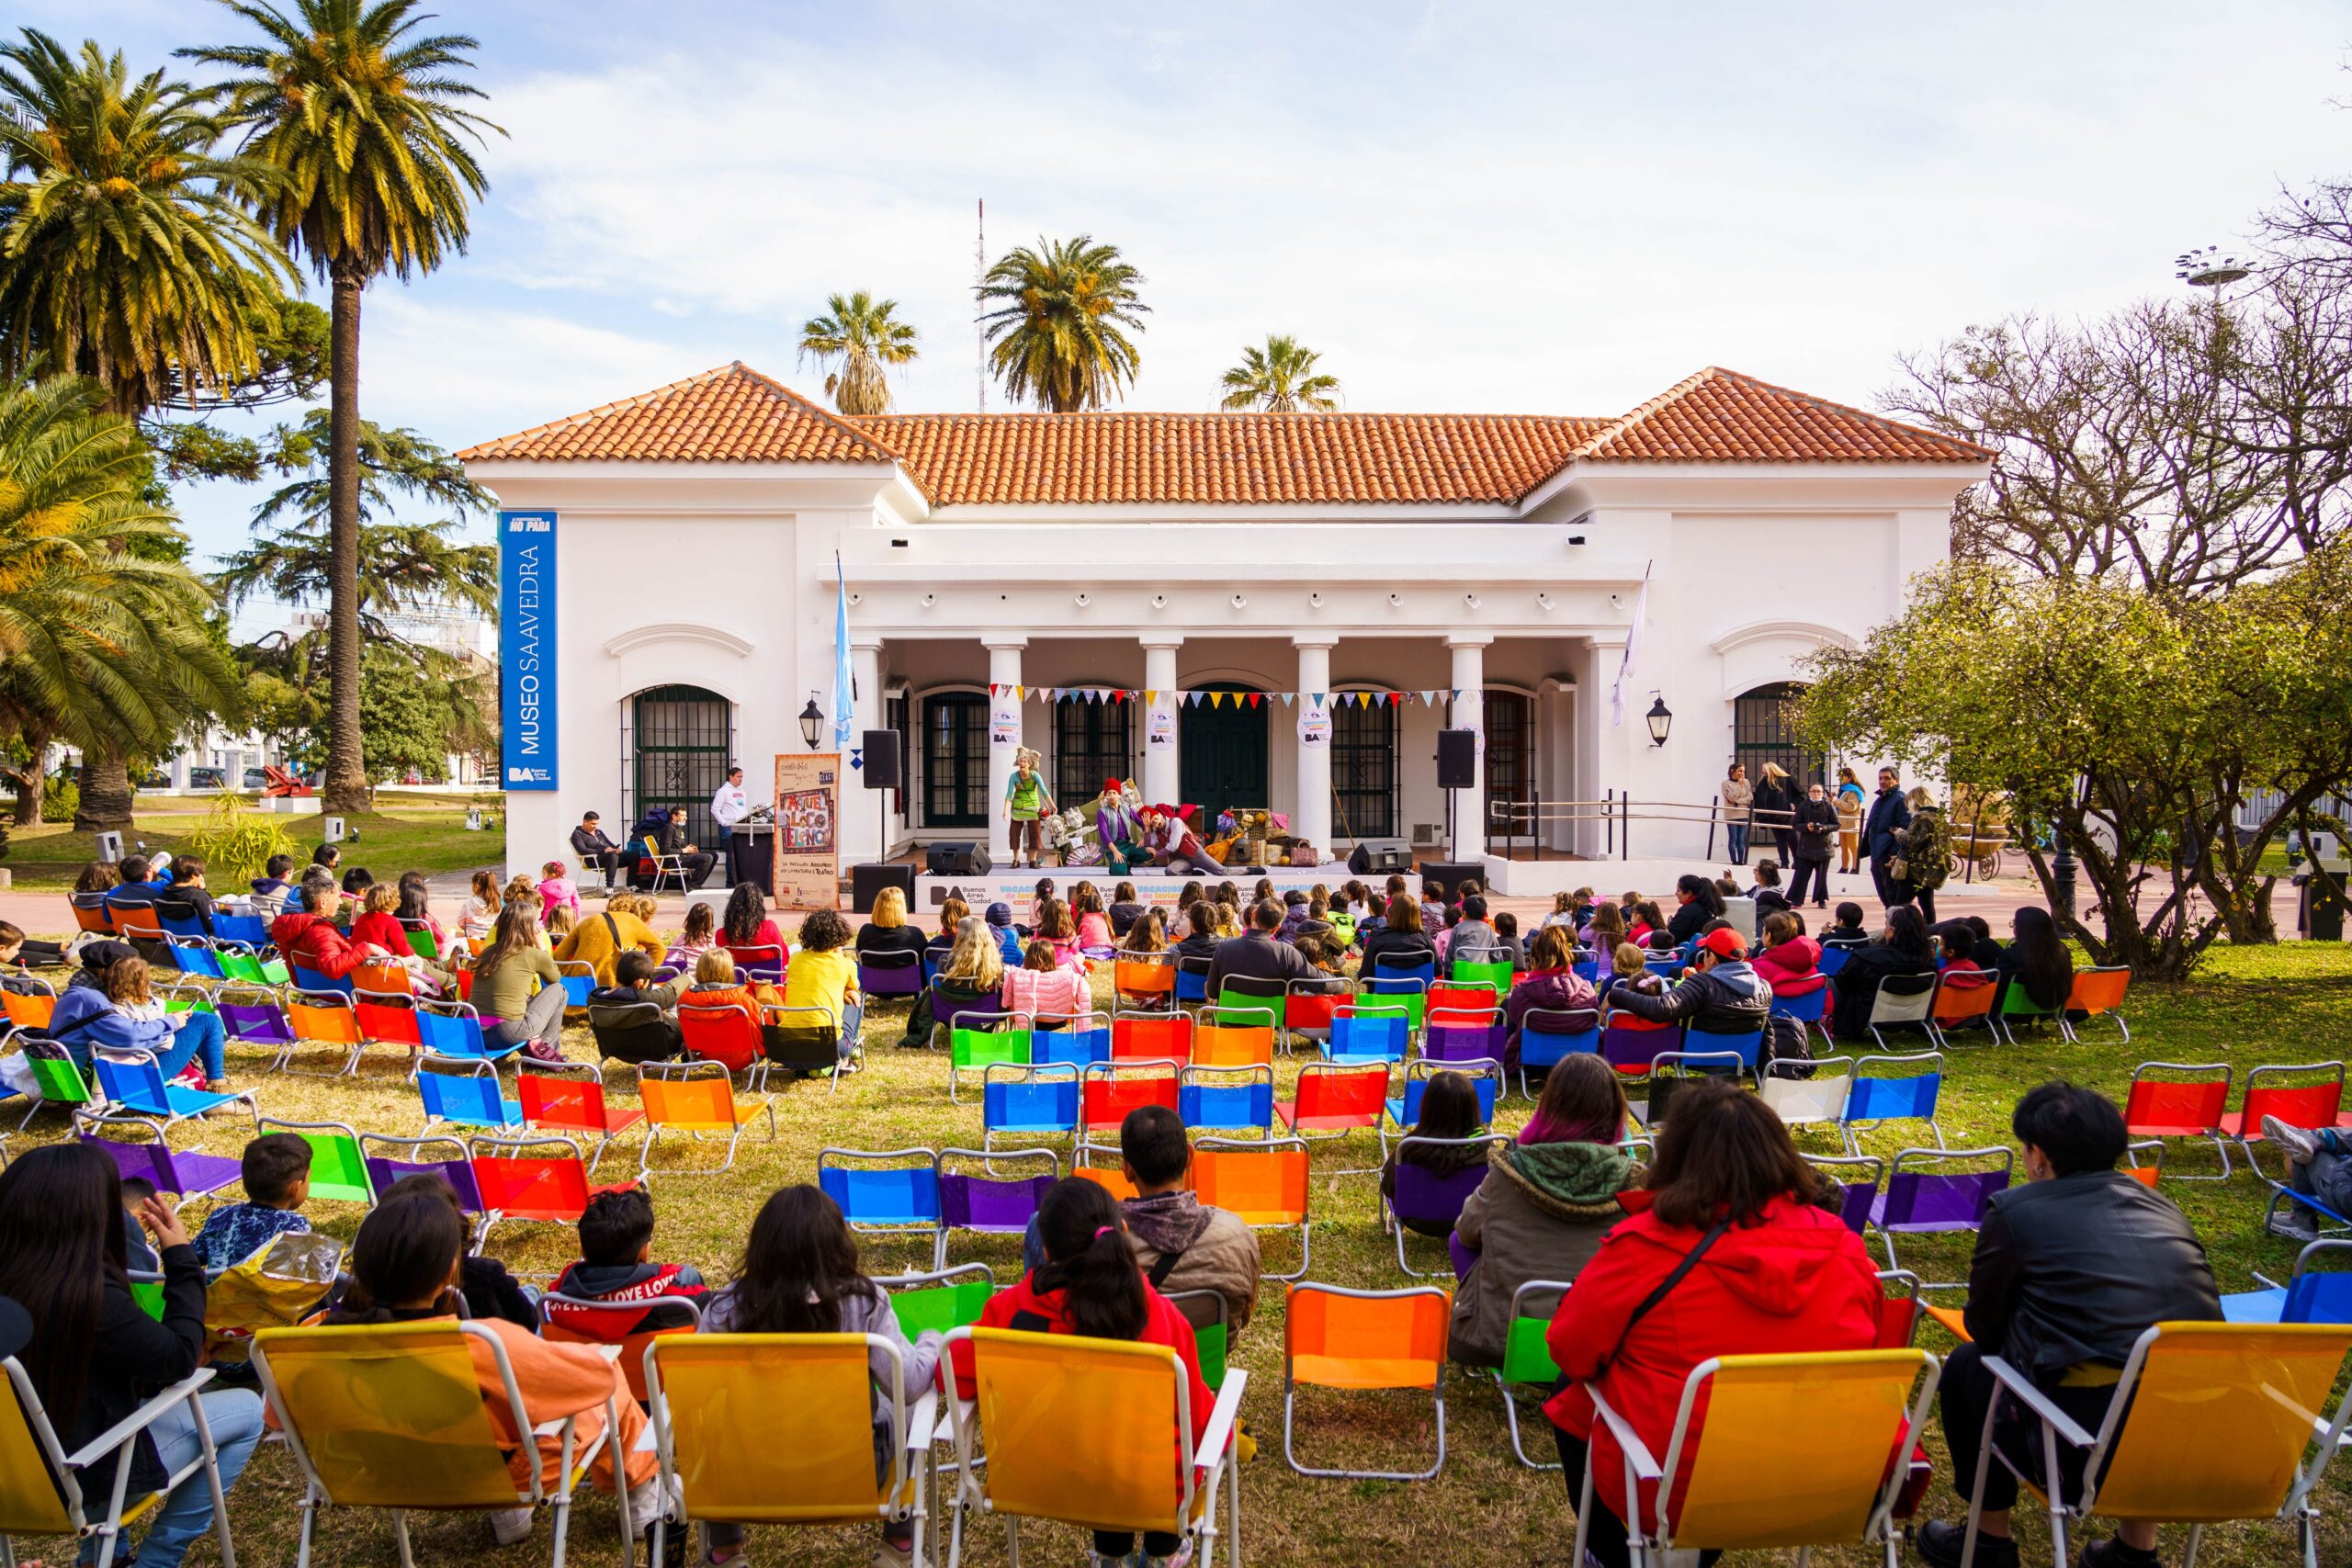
pixel 807 830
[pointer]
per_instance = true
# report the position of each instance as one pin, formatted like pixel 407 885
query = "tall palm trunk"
pixel 106 792
pixel 346 778
pixel 29 780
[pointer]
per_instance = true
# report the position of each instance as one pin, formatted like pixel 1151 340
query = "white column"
pixel 862 835
pixel 1004 672
pixel 1470 713
pixel 1162 765
pixel 1310 816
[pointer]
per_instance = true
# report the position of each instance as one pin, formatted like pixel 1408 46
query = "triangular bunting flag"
pixel 1020 692
pixel 1396 699
pixel 1287 697
pixel 1429 698
pixel 1149 695
pixel 991 688
pixel 1255 698
pixel 1318 699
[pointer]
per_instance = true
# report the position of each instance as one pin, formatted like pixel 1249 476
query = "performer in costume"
pixel 1025 799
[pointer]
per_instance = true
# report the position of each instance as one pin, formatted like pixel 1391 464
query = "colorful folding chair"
pixel 1224 1040
pixel 1213 1340
pixel 1807 1094
pixel 1308 1008
pixel 249 967
pixel 1108 1090
pixel 1102 1164
pixel 92 912
pixel 1144 980
pixel 807 1459
pixel 28 1001
pixel 1362 1032
pixel 990 1203
pixel 391 1416
pixel 937 1300
pixel 1906 1001
pixel 1497 976
pixel 1964 1004
pixel 1244 1001
pixel 194 955
pixel 248 931
pixel 760 965
pixel 1633 1046
pixel 463 1094
pixel 1747 1048
pixel 388 1017
pixel 1945 1196
pixel 884 975
pixel 1527 1355
pixel 1263 1183
pixel 323 1017
pixel 390 1159
pixel 1846 1411
pixel 420 940
pixel 1152 1037
pixel 1227 1100
pixel 1018 1102
pixel 1192 980
pixel 1335 1098
pixel 187 1174
pixel 136 1085
pixel 383 979
pixel 1809 1011
pixel 2181 1099
pixel 41 1484
pixel 338 1161
pixel 698 1100
pixel 257 1020
pixel 1090 1432
pixel 1548 1036
pixel 139 923
pixel 452 1031
pixel 2016 1004
pixel 1428 1196
pixel 729 1035
pixel 2315 1104
pixel 2209 1422
pixel 1462 1034
pixel 550 1188
pixel 308 979
pixel 991 1039
pixel 568 1097
pixel 58 1081
pixel 1875 1099
pixel 579 1320
pixel 1403 984
pixel 1856 1198
pixel 1404 1111
pixel 2097 993
pixel 1072 1047
pixel 1337 1337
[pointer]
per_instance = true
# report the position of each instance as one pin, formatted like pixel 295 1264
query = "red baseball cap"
pixel 1724 944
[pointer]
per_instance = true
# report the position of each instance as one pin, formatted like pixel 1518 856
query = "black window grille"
pixel 956 761
pixel 1089 745
pixel 1363 770
pixel 1764 729
pixel 682 739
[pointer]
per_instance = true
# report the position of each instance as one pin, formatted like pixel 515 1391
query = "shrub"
pixel 236 842
pixel 60 797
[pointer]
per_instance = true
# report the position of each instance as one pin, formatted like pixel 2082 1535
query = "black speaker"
pixel 1457 758
pixel 1379 857
pixel 964 859
pixel 866 881
pixel 1453 874
pixel 881 770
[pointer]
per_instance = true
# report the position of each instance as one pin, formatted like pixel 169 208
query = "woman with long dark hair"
pixel 94 1356
pixel 2037 960
pixel 503 989
pixel 1699 901
pixel 746 929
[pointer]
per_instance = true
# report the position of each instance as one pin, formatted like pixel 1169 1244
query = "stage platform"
pixel 1153 885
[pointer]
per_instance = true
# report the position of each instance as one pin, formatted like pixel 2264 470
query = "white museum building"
pixel 1168 595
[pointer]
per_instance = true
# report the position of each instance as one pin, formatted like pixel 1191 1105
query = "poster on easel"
pixel 807 830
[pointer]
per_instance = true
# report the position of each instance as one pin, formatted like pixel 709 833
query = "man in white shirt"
pixel 728 807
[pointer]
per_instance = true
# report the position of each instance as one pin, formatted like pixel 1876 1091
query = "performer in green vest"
pixel 1025 798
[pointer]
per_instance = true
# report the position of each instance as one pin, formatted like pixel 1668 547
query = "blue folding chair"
pixel 453 1030
pixel 1192 980
pixel 463 1094
pixel 1747 1047
pixel 1404 1112
pixel 1886 1097
pixel 1227 1099
pixel 1810 1011
pixel 311 980
pixel 136 1084
pixel 1368 1033
pixel 880 1190
pixel 245 931
pixel 579 980
pixel 2309 1295
pixel 178 918
pixel 1833 959
pixel 1039 1101
pixel 1075 1046
pixel 1548 1036
pixel 194 955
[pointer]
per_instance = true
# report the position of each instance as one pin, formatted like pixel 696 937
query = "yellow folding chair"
pixel 390 1416
pixel 739 1455
pixel 1726 1483
pixel 1096 1433
pixel 696 1099
pixel 1336 1338
pixel 30 1454
pixel 2209 1422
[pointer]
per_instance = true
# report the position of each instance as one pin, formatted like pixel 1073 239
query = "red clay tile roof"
pixel 732 415
pixel 736 414
pixel 1227 458
pixel 1722 416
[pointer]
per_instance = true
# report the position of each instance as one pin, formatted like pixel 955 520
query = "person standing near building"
pixel 1849 822
pixel 1026 799
pixel 1816 828
pixel 729 805
pixel 1888 814
pixel 1773 800
pixel 1738 794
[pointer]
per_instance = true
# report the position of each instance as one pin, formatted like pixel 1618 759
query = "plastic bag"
pixel 285 1278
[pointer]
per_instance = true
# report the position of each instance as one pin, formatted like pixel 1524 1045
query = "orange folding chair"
pixel 1103 1166
pixel 321 1018
pixel 1233 1045
pixel 698 1100
pixel 2099 991
pixel 1337 1337
pixel 1263 1183
pixel 1335 1098
pixel 1145 978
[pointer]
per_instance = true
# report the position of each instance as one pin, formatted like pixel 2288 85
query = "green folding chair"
pixel 942 1299
pixel 971 1050
pixel 1527 1359
pixel 1211 1341
pixel 59 1080
pixel 1497 976
pixel 338 1165
pixel 2015 1003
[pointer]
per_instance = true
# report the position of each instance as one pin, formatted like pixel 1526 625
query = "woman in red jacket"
pixel 1790 960
pixel 1775 1271
pixel 1090 1285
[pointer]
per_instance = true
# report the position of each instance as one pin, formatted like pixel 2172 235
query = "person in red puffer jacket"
pixel 1777 1272
pixel 315 942
pixel 1790 960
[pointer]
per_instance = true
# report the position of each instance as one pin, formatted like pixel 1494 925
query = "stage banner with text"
pixel 807 830
pixel 528 656
pixel 1159 727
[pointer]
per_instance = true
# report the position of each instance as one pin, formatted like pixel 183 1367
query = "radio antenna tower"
pixel 979 276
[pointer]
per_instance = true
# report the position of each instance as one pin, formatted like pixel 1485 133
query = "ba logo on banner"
pixel 527 637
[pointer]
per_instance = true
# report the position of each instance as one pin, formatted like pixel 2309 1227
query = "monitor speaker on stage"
pixel 1455 872
pixel 866 881
pixel 1457 758
pixel 1379 857
pixel 881 770
pixel 962 859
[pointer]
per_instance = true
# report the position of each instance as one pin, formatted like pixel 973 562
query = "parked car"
pixel 256 778
pixel 208 778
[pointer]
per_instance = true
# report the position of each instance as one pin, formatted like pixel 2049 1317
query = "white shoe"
pixel 890 1555
pixel 647 1501
pixel 510 1525
pixel 2298 1142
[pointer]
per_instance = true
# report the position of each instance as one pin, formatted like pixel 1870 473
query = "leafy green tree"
pixel 125 255
pixel 2145 726
pixel 404 726
pixel 365 124
pixel 1061 322
pixel 1279 378
pixel 858 338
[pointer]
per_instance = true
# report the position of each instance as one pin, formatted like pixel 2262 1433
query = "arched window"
pixel 1363 770
pixel 681 739
pixel 1764 729
pixel 956 761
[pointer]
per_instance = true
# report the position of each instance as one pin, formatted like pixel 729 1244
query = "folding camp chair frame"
pixel 2249 1130
pixel 689 1072
pixel 2297 1511
pixel 1305 986
pixel 1356 1066
pixel 65 1469
pixel 2006 1156
pixel 1389 1208
pixel 1210 1078
pixel 1290 1387
pixel 459 1066
pixel 1303 1224
pixel 1656 1543
pixel 2114 1012
pixel 1684 1064
pixel 589 1072
pixel 273 1125
pixel 2270 1285
pixel 2220 1143
pixel 1531 1018
pixel 894 962
pixel 169 1118
pixel 810 1020
pixel 1034 1072
pixel 1424 1069
pixel 1161 998
pixel 385 1145
pixel 1114 1071
pixel 1215 1458
pixel 984 1023
pixel 987 1158
pixel 575 1457
pixel 1771 1073
pixel 666 867
pixel 1926 1022
pixel 1846 1125
pixel 633 1375
pixel 1826 1167
pixel 872 1159
pixel 292 997
pixel 1502 1384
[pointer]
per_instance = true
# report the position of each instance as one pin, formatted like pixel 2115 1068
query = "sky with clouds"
pixel 1558 209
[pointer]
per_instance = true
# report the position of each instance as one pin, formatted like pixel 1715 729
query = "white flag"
pixel 1632 658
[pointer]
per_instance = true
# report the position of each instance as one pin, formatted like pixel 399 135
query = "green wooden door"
pixel 1224 753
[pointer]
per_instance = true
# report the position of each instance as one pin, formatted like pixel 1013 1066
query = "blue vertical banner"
pixel 528 659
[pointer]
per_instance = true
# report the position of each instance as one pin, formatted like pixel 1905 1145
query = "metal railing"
pixel 1974 845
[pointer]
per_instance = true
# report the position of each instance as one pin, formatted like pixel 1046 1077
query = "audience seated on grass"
pixel 516 984
pixel 1718 994
pixel 1551 985
pixel 616 1265
pixel 2069 1269
pixel 1445 1143
pixel 1088 1285
pixel 277 1173
pixel 94 1357
pixel 1788 959
pixel 1547 1200
pixel 1043 987
pixel 110 1005
pixel 1730 1224
pixel 1902 948
pixel 716 991
pixel 970 978
pixel 2037 961
pixel 750 937
pixel 404 1268
pixel 601 939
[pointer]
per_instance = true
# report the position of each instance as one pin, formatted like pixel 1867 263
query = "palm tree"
pixel 862 334
pixel 124 254
pixel 1057 331
pixel 1279 378
pixel 103 642
pixel 366 126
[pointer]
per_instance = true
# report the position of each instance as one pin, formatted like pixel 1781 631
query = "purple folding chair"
pixel 1462 1034
pixel 990 1203
pixel 1855 1197
pixel 255 1023
pixel 1951 1193
pixel 890 974
pixel 755 965
pixel 189 1175
pixel 408 1158
pixel 1425 1196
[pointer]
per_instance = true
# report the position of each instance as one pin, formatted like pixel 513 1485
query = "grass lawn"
pixel 422 832
pixel 2289 1003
